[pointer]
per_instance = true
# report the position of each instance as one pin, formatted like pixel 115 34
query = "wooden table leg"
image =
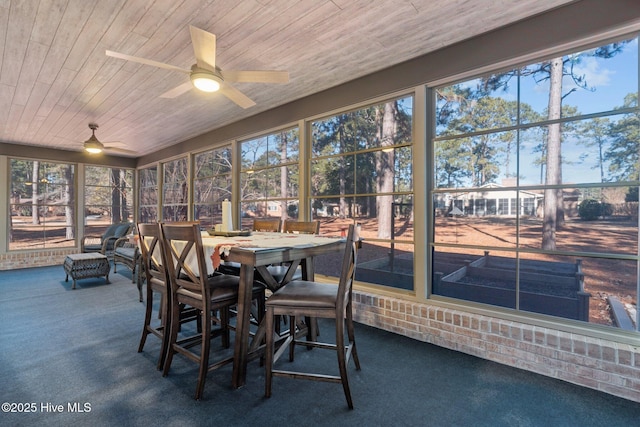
pixel 241 347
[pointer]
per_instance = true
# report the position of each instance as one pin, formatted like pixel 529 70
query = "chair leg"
pixel 204 353
pixel 268 363
pixel 292 334
pixel 224 325
pixel 280 320
pixel 173 337
pixel 147 320
pixel 166 331
pixel 313 331
pixel 352 337
pixel 261 307
pixel 342 360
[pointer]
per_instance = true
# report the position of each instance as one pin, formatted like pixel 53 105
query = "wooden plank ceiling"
pixel 55 77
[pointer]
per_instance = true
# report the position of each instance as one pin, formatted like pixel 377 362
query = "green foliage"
pixel 343 158
pixel 623 151
pixel 592 209
pixel 632 195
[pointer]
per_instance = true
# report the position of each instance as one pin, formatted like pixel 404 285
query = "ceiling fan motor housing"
pixel 205 80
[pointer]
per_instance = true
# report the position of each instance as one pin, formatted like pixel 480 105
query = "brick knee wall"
pixel 600 364
pixel 14 260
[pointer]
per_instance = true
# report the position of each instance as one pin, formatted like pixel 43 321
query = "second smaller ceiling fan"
pixel 94 146
pixel 206 76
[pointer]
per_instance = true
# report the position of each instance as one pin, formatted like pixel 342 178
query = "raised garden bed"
pixel 553 288
pixel 380 271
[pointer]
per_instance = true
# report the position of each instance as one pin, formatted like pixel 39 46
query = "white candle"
pixel 227 219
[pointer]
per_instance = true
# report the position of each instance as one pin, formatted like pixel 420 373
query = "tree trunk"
pixel 342 177
pixel 385 173
pixel 116 212
pixel 35 212
pixel 553 209
pixel 283 177
pixel 68 203
pixel 123 195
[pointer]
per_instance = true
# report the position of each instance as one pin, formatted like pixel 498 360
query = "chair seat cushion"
pixel 279 271
pixel 223 281
pixel 223 288
pixel 230 281
pixel 218 293
pixel 301 293
pixel 126 252
pixel 92 248
pixel 228 267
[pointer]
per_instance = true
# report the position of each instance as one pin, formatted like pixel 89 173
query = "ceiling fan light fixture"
pixel 205 82
pixel 93 146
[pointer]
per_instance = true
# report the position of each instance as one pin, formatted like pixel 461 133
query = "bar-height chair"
pixel 267 224
pixel 156 275
pixel 278 272
pixel 270 225
pixel 314 299
pixel 302 227
pixel 190 285
pixel 157 283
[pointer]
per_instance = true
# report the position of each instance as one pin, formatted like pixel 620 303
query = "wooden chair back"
pixel 182 243
pixel 301 227
pixel 267 224
pixel 150 236
pixel 347 275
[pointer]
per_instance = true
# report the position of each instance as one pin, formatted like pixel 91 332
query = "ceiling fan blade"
pixel 236 96
pixel 177 91
pixel 114 144
pixel 204 47
pixel 121 151
pixel 146 61
pixel 256 76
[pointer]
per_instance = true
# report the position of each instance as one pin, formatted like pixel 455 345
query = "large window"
pixel 270 176
pixel 211 185
pixel 175 190
pixel 108 198
pixel 362 171
pixel 42 205
pixel 535 190
pixel 148 194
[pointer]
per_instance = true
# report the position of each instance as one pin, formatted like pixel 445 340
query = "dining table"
pixel 254 252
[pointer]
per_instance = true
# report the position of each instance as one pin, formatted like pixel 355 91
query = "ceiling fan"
pixel 206 76
pixel 93 146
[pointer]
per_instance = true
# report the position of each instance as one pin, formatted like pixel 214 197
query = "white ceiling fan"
pixel 94 146
pixel 208 77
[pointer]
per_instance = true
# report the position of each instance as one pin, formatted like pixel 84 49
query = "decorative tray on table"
pixel 229 233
